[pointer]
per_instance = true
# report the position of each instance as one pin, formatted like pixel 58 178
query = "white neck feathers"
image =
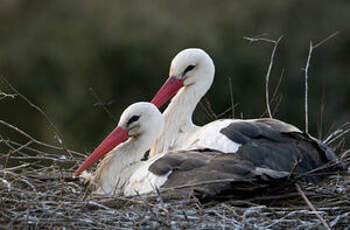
pixel 115 170
pixel 178 114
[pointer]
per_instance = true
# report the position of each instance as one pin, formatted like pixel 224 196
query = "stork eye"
pixel 132 119
pixel 189 68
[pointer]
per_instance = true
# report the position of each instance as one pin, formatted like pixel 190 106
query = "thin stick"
pixel 15 168
pixel 302 194
pixel 326 39
pixel 296 163
pixel 207 113
pixel 276 99
pixel 220 115
pixel 210 109
pixel 57 133
pixel 320 130
pixel 306 71
pixel 277 104
pixel 4 95
pixel 99 102
pixel 268 76
pixel 269 69
pixel 338 133
pixel 35 140
pixel 232 99
pixel 278 85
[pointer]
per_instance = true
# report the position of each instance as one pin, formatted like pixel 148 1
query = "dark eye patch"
pixel 132 119
pixel 189 68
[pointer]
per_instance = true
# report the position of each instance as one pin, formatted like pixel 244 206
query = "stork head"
pixel 190 67
pixel 141 119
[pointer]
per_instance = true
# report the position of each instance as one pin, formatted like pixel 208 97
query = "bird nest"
pixel 38 192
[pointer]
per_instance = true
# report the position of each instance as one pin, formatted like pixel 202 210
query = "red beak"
pixel 117 136
pixel 168 90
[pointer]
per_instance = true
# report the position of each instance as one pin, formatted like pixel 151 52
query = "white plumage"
pixel 193 71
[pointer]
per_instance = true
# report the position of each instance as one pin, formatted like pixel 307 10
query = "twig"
pixel 206 112
pixel 15 168
pixel 338 133
pixel 57 133
pixel 210 109
pixel 200 184
pixel 276 99
pixel 320 129
pixel 268 76
pixel 306 71
pixel 302 194
pixel 4 95
pixel 35 140
pixel 329 164
pixel 326 39
pixel 258 38
pixel 220 115
pixel 99 102
pixel 232 98
pixel 268 73
pixel 344 154
pixel 277 104
pixel 278 85
pixel 296 163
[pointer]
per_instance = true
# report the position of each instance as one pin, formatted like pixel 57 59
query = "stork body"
pixel 205 173
pixel 190 77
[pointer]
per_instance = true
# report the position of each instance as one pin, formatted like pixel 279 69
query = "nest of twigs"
pixel 40 193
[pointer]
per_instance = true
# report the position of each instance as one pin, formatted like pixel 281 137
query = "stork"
pixel 190 77
pixel 123 172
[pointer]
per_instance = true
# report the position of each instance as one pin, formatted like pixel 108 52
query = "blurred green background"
pixel 54 51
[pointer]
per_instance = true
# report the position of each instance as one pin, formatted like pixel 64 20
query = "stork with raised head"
pixel 190 77
pixel 122 171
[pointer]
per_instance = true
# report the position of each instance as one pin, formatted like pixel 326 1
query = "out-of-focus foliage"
pixel 54 51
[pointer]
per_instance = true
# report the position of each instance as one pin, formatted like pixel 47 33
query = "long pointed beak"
pixel 168 90
pixel 117 136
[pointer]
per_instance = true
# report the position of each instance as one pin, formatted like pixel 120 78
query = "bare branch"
pixel 338 133
pixel 276 99
pixel 4 95
pixel 267 77
pixel 57 133
pixel 18 130
pixel 232 99
pixel 306 104
pixel 307 201
pixel 259 38
pixel 326 39
pixel 306 71
pixel 99 102
pixel 208 109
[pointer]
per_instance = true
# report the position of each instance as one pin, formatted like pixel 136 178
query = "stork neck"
pixel 182 106
pixel 178 118
pixel 116 168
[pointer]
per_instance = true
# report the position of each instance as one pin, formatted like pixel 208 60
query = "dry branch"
pixel 300 191
pixel 267 77
pixel 57 133
pixel 312 47
pixel 99 102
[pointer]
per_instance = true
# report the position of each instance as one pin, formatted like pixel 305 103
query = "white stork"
pixel 123 172
pixel 190 77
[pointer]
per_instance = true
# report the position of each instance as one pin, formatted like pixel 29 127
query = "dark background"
pixel 54 51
